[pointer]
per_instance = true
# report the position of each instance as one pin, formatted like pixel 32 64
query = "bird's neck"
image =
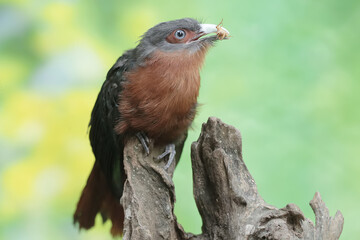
pixel 177 62
pixel 177 71
pixel 170 73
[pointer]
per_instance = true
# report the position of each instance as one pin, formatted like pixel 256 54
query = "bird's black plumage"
pixel 108 146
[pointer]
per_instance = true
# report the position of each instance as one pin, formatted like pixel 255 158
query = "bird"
pixel 150 92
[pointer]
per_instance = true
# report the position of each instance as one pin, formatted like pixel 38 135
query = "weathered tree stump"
pixel 225 193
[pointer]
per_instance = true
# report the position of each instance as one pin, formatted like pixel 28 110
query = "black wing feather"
pixel 108 146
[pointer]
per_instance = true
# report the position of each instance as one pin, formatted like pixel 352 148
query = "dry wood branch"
pixel 225 193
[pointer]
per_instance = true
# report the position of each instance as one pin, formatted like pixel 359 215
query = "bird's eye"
pixel 180 34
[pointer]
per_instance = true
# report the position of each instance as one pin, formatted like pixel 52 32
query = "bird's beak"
pixel 206 29
pixel 211 28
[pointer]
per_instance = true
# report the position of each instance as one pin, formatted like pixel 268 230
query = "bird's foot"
pixel 169 150
pixel 144 140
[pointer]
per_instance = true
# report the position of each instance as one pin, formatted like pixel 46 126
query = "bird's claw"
pixel 169 150
pixel 144 140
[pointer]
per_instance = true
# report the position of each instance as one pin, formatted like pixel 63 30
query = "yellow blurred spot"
pixel 58 13
pixel 21 109
pixel 17 184
pixel 12 71
pixel 58 28
pixel 54 131
pixel 136 21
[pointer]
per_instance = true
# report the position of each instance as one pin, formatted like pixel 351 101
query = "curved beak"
pixel 206 29
pixel 211 28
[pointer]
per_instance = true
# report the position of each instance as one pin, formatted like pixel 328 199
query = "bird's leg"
pixel 144 140
pixel 169 150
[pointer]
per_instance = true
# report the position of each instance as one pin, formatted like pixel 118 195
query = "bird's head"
pixel 178 35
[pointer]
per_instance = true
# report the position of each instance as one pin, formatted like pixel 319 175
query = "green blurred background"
pixel 288 79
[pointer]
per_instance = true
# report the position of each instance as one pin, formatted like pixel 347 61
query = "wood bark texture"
pixel 225 193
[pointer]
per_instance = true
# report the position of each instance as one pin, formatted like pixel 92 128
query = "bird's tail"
pixel 97 197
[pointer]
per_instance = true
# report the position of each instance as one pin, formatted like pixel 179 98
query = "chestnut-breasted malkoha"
pixel 151 92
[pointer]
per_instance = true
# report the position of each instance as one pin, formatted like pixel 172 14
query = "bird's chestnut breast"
pixel 160 98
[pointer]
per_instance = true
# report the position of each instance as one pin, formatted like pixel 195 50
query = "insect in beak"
pixel 221 32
